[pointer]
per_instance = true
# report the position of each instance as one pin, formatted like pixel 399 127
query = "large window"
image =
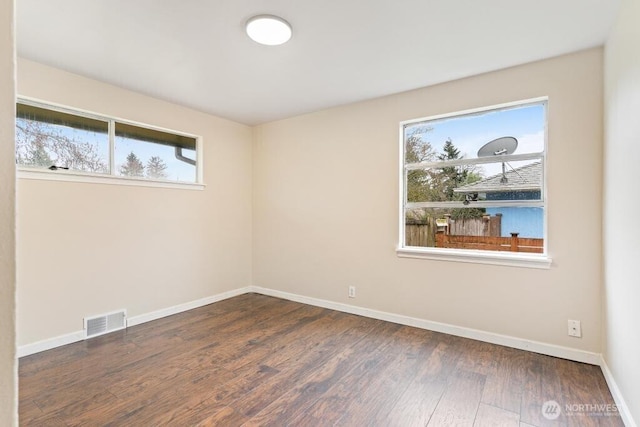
pixel 473 183
pixel 72 142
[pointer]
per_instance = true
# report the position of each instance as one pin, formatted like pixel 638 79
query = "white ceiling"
pixel 195 52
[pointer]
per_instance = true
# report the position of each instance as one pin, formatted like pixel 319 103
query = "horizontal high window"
pixel 64 140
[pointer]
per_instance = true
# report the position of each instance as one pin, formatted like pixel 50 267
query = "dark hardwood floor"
pixel 255 360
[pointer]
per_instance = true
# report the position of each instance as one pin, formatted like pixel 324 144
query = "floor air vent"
pixel 99 325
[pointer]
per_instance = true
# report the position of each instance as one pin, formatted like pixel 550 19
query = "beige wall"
pixel 326 216
pixel 86 249
pixel 8 365
pixel 621 243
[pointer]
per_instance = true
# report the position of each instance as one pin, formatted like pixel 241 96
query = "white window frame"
pixel 31 173
pixel 514 259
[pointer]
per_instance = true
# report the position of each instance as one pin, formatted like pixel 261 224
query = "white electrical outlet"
pixel 352 291
pixel 574 328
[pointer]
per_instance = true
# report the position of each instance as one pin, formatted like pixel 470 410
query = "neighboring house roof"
pixel 525 178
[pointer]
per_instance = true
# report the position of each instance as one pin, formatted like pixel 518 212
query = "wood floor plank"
pixel 542 384
pixel 28 410
pixel 50 420
pixel 305 374
pixel 299 397
pixel 255 360
pixel 308 368
pixel 248 393
pixel 581 385
pixel 342 397
pixel 491 416
pixel 373 406
pixel 505 384
pixel 77 367
pixel 477 356
pixel 88 409
pixel 51 358
pixel 459 403
pixel 416 405
pixel 223 416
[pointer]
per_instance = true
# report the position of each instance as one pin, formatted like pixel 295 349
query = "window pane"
pixel 508 229
pixel 46 137
pixel 417 146
pixel 148 153
pixel 442 184
pixel 468 133
pixel 515 181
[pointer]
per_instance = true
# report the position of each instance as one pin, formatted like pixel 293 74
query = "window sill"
pixel 62 175
pixel 478 257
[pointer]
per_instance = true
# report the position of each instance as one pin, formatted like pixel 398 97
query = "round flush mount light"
pixel 268 30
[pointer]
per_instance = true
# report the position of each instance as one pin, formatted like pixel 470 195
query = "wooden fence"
pixel 471 233
pixel 490 243
pixel 422 232
pixel 485 226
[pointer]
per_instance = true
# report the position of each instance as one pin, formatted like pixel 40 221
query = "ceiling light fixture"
pixel 268 30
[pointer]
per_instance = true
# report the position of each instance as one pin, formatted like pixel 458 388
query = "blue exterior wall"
pixel 528 222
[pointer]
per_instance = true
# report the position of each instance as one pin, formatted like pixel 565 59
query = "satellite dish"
pixel 499 147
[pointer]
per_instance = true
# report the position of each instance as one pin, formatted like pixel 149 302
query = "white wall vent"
pixel 105 323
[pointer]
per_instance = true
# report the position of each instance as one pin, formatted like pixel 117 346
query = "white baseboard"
pixel 490 337
pixel 48 344
pixel 508 341
pixel 158 314
pixel 623 409
pixel 51 343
